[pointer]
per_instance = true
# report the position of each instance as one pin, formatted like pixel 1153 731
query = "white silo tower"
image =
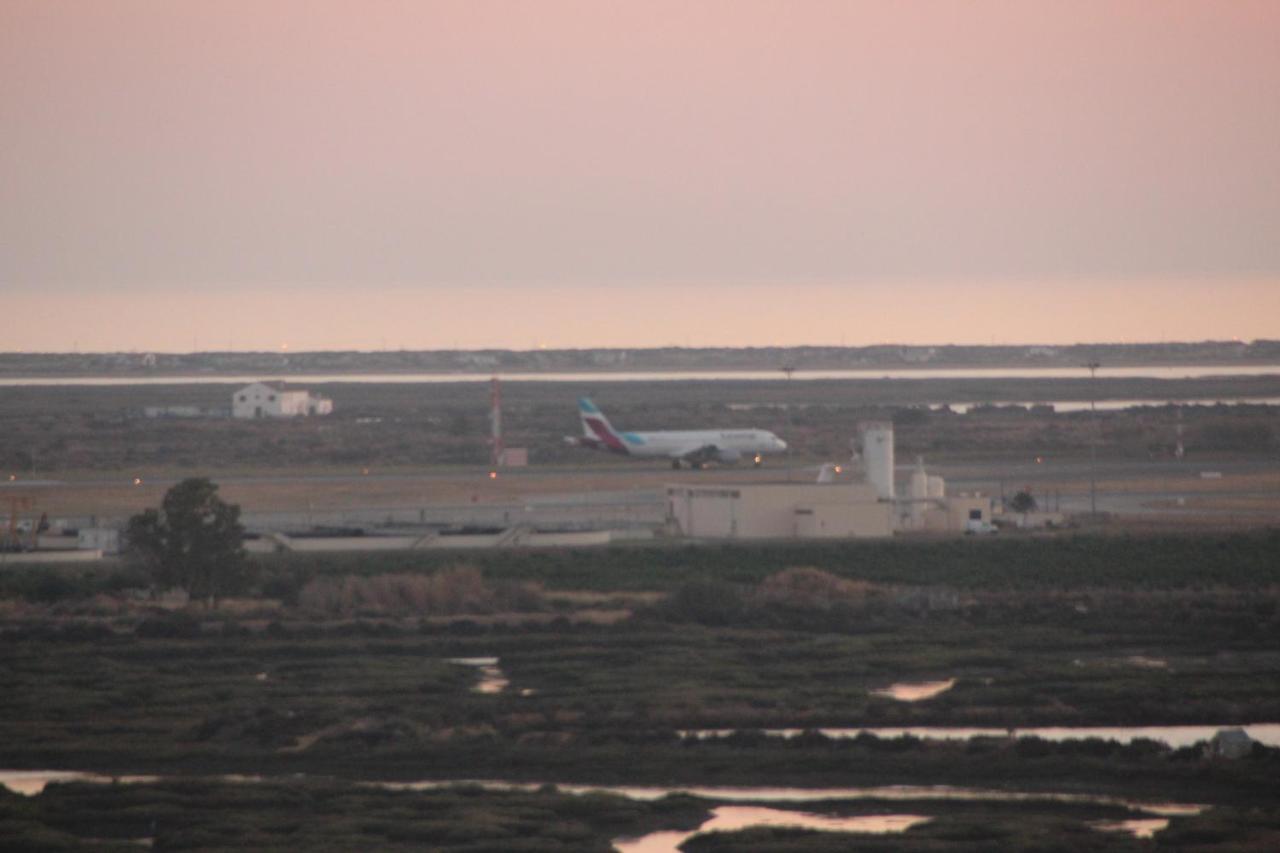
pixel 919 490
pixel 877 456
pixel 937 487
pixel 919 481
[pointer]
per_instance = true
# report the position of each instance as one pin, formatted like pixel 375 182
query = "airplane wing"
pixel 698 453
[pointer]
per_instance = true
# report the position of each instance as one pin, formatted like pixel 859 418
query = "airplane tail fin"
pixel 595 426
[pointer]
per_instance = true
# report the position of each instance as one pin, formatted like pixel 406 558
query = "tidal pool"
pixel 733 818
pixel 30 783
pixel 915 691
pixel 492 679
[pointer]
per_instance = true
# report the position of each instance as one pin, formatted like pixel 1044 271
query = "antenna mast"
pixel 496 450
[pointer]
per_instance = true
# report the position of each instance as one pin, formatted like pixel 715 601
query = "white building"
pixel 274 400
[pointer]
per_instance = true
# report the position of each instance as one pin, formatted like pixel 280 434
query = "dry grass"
pixel 811 588
pixel 581 598
pixel 451 592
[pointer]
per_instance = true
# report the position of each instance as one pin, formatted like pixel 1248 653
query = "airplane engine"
pixel 728 456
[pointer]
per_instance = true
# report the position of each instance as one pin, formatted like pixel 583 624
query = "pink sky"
pixel 506 174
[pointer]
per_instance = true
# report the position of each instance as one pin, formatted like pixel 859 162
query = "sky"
pixel 387 174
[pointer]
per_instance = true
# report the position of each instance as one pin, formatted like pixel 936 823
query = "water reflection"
pixel 891 793
pixel 1138 828
pixel 734 818
pixel 1175 737
pixel 32 782
pixel 492 679
pixel 915 691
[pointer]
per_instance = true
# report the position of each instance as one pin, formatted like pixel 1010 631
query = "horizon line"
pixel 644 348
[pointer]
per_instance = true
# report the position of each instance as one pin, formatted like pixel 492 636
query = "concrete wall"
pixel 514 537
pixel 22 557
pixel 844 521
pixel 1029 520
pixel 105 539
pixel 175 412
pixel 953 513
pixel 566 539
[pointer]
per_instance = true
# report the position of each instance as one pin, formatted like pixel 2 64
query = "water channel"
pixel 725 817
pixel 1175 737
pixel 32 782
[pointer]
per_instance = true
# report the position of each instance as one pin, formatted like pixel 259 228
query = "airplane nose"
pixel 780 444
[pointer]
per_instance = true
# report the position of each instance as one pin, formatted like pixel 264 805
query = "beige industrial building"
pixel 866 507
pixel 956 514
pixel 929 508
pixel 779 511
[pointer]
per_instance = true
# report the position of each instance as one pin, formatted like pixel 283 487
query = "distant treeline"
pixel 657 358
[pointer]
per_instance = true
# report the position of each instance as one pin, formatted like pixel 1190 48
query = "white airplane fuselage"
pixel 693 447
pixel 670 443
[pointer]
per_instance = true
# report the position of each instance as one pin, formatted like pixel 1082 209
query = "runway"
pixel 633 495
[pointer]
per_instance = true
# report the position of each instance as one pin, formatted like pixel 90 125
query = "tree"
pixel 1023 502
pixel 194 541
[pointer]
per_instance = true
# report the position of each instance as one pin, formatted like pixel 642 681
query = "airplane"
pixel 694 448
